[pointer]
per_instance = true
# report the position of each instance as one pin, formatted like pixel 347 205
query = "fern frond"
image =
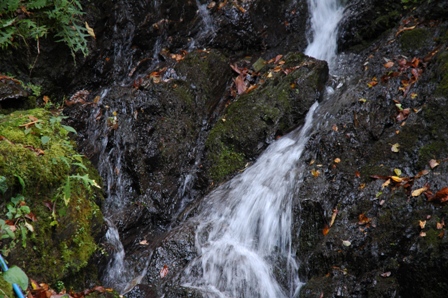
pixel 36 4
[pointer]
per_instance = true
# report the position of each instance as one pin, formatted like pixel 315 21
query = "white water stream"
pixel 244 231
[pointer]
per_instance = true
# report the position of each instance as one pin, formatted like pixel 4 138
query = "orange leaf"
pixel 240 84
pixel 389 64
pixel 325 230
pixel 441 196
pixel 164 271
pixel 333 216
pixel 363 219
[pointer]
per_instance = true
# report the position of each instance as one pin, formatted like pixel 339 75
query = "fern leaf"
pixel 36 4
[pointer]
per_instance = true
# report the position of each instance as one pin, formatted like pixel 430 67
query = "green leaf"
pixel 15 275
pixel 45 140
pixel 22 183
pixel 25 209
pixel 67 191
pixel 69 129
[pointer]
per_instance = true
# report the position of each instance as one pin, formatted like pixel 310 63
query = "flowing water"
pixel 325 16
pixel 244 230
pixel 247 222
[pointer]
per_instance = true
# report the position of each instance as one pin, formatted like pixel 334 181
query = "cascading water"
pixel 325 17
pixel 244 230
pixel 246 223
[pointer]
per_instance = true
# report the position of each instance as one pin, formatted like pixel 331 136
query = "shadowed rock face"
pixel 162 131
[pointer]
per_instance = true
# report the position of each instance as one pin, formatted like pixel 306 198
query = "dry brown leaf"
pixel 325 230
pixel 240 84
pixel 333 216
pixel 441 196
pixel 422 234
pixel 433 163
pixel 388 64
pixel 164 271
pixel 363 219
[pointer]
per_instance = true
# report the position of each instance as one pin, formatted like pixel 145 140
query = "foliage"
pixel 24 20
pixel 54 220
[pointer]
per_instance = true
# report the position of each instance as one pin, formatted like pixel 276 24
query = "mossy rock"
pixel 253 120
pixel 43 169
pixel 414 39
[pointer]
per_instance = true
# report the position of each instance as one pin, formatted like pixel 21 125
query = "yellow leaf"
pixel 386 183
pixel 439 225
pixel 337 160
pixel 419 191
pixel 422 224
pixel 315 173
pixel 397 172
pixel 90 30
pixel 396 179
pixel 395 147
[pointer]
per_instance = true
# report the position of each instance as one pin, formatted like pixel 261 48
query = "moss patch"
pixel 40 163
pixel 414 39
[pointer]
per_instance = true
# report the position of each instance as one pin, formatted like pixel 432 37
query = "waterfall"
pixel 244 230
pixel 325 16
pixel 247 222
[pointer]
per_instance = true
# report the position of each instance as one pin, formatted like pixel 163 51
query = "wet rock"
pixel 12 94
pixel 378 217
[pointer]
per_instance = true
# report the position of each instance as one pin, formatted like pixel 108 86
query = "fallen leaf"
pixel 333 216
pixel 164 271
pixel 441 234
pixel 385 184
pixel 337 160
pixel 315 173
pixel 388 64
pixel 90 30
pixel 395 147
pixel 422 224
pixel 404 29
pixel 419 191
pixel 433 163
pixel 144 242
pixel 396 179
pixel 441 196
pixel 334 127
pixel 325 230
pixel 240 84
pixel 422 234
pixel 397 172
pixel 385 274
pixel 440 225
pixel 346 243
pixel 373 82
pixel 363 219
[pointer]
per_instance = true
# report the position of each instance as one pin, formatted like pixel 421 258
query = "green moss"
pixel 42 156
pixel 226 163
pixel 5 288
pixel 414 39
pixel 442 88
pixel 430 151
